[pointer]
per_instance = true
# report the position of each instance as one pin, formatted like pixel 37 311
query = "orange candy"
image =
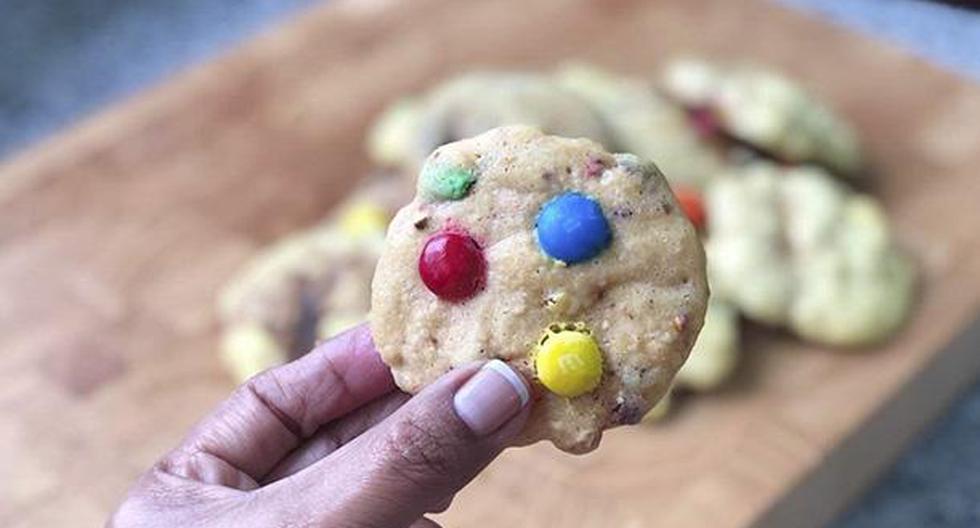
pixel 692 205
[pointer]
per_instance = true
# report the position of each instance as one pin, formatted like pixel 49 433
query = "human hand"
pixel 328 440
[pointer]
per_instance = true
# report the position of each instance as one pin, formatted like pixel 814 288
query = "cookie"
pixel 715 353
pixel 645 123
pixel 793 247
pixel 765 110
pixel 573 265
pixel 391 136
pixel 308 286
pixel 473 103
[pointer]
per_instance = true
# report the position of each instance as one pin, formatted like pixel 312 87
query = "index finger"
pixel 272 413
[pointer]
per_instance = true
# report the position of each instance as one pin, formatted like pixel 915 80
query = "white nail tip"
pixel 512 377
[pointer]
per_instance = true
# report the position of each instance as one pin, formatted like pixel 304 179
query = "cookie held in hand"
pixel 573 265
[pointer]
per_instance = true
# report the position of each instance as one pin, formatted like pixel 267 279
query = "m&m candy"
pixel 568 361
pixel 692 205
pixel 452 266
pixel 364 218
pixel 571 228
pixel 446 182
pixel 705 121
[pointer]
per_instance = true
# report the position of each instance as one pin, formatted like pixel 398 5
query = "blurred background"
pixel 64 60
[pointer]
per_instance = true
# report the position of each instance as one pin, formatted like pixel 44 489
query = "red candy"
pixel 703 120
pixel 452 266
pixel 692 206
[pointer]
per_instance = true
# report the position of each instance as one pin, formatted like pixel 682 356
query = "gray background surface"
pixel 61 60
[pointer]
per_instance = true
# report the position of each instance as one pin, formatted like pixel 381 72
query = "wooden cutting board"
pixel 115 237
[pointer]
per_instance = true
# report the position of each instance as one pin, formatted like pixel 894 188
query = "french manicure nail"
pixel 491 397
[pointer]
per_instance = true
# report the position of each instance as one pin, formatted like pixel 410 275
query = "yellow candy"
pixel 364 219
pixel 337 323
pixel 568 361
pixel 248 349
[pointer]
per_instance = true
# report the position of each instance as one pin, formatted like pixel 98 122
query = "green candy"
pixel 443 182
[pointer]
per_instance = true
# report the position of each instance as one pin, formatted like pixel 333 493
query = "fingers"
pixel 420 455
pixel 272 413
pixel 425 523
pixel 443 505
pixel 334 435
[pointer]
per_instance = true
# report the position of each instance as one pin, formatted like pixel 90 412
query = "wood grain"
pixel 115 236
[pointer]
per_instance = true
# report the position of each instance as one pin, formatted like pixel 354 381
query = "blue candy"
pixel 572 228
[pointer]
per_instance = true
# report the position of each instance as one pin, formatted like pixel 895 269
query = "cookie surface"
pixel 573 265
pixel 308 286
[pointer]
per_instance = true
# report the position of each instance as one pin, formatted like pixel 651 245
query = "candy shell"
pixel 572 228
pixel 452 266
pixel 568 362
pixel 446 182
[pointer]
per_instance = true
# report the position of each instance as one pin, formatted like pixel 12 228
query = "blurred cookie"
pixel 573 265
pixel 308 286
pixel 765 110
pixel 473 103
pixel 391 137
pixel 793 247
pixel 715 354
pixel 645 123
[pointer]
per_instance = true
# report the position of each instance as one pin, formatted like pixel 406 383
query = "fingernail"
pixel 491 397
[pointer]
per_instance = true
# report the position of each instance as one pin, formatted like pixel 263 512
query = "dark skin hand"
pixel 328 440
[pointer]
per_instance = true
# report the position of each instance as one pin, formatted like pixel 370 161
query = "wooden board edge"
pixel 855 464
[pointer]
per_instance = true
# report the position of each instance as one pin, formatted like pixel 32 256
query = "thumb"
pixel 425 452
